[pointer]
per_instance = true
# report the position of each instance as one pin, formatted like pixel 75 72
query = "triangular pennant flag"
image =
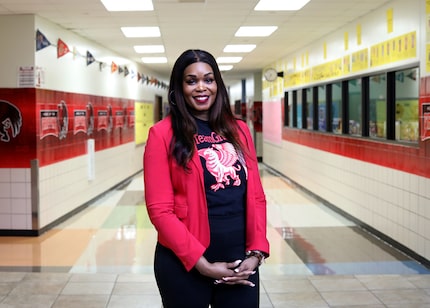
pixel 41 41
pixel 101 66
pixel 412 75
pixel 400 77
pixel 62 48
pixel 75 53
pixel 113 67
pixel 120 70
pixel 139 77
pixel 376 79
pixel 90 58
pixel 125 71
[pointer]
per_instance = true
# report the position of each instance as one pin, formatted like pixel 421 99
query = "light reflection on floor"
pixel 114 235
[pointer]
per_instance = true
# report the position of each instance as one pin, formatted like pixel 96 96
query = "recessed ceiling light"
pixel 149 49
pixel 256 31
pixel 228 59
pixel 239 48
pixel 154 60
pixel 280 5
pixel 141 31
pixel 225 67
pixel 128 5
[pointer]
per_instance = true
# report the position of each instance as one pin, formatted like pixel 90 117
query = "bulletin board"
pixel 144 117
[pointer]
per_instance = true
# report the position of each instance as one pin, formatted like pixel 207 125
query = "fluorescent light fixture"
pixel 128 5
pixel 141 31
pixel 280 5
pixel 224 68
pixel 239 48
pixel 154 60
pixel 229 59
pixel 149 49
pixel 256 31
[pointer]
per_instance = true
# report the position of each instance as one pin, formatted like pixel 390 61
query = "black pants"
pixel 179 288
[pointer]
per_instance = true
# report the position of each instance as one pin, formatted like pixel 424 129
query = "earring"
pixel 172 97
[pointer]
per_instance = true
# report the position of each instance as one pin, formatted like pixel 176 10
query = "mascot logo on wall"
pixel 10 121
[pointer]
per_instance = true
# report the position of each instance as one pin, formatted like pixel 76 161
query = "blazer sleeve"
pixel 160 200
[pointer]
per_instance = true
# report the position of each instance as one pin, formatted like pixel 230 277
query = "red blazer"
pixel 176 199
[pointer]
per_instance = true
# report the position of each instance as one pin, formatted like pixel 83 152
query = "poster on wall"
pixel 54 122
pixel 66 121
pixel 79 121
pixel 53 126
pixel 144 119
pixel 425 121
pixel 30 77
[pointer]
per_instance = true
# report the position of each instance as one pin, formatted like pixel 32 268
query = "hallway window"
pixel 378 106
pixel 336 108
pixel 299 114
pixel 407 92
pixel 322 112
pixel 309 105
pixel 354 106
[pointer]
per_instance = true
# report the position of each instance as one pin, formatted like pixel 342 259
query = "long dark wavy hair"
pixel 221 118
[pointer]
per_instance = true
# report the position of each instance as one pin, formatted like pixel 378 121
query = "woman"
pixel 203 194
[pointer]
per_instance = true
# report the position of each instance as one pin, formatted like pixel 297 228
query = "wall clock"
pixel 270 74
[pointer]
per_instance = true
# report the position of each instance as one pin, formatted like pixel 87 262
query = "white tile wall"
pixel 15 199
pixel 393 202
pixel 65 186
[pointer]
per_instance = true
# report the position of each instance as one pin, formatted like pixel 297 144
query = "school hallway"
pixel 102 257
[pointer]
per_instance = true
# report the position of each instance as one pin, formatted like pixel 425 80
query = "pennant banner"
pixel 41 41
pixel 62 48
pixel 90 58
pixel 75 53
pixel 102 65
pixel 113 67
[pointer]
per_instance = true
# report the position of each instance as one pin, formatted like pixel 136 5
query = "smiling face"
pixel 200 89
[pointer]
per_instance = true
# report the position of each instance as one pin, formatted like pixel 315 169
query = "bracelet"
pixel 258 254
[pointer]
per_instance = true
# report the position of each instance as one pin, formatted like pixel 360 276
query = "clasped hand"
pixel 230 273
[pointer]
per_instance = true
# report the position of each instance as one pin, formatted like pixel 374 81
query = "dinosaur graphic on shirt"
pixel 220 160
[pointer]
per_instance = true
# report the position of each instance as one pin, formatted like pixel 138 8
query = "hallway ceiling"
pixel 205 24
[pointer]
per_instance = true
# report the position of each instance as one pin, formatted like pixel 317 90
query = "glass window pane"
pixel 354 106
pixel 309 108
pixel 378 106
pixel 407 90
pixel 336 108
pixel 299 109
pixel 322 108
pixel 290 109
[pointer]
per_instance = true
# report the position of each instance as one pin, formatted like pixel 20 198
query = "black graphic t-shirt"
pixel 224 174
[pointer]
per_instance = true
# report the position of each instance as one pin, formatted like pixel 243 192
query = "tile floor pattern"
pixel 102 257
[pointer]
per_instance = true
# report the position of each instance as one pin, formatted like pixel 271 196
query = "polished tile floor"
pixel 102 257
